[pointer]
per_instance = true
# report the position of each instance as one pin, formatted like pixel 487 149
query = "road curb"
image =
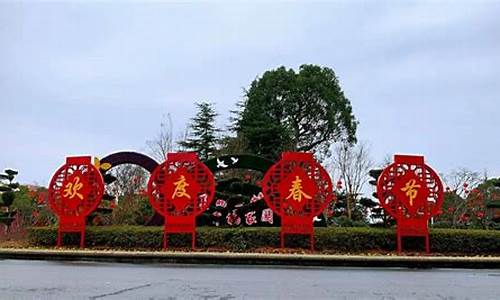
pixel 226 258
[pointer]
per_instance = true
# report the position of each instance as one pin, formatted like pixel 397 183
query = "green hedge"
pixel 331 239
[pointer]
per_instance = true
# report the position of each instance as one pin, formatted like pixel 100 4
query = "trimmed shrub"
pixel 330 240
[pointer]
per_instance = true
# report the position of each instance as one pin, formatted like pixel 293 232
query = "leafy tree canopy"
pixel 298 111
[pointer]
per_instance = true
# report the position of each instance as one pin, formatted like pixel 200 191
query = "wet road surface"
pixel 87 280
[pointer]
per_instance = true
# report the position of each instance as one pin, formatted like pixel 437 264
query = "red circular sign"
pixel 410 189
pixel 76 188
pixel 297 186
pixel 181 186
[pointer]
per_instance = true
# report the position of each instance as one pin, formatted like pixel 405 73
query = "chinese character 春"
pixel 411 189
pixel 71 189
pixel 296 192
pixel 180 188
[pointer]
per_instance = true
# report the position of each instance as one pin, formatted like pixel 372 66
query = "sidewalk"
pixel 227 258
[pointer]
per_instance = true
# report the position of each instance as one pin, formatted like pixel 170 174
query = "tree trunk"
pixel 348 205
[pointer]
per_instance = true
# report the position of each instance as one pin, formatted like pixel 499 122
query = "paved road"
pixel 81 280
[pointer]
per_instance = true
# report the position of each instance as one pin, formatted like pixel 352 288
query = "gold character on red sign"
pixel 296 192
pixel 180 188
pixel 71 189
pixel 411 189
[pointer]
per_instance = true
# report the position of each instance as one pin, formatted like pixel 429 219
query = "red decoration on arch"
pixel 297 188
pixel 180 189
pixel 75 191
pixel 411 192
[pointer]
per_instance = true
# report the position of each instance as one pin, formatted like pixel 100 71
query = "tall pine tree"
pixel 202 137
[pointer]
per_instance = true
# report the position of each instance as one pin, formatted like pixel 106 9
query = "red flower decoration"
pixel 220 203
pixel 256 198
pixel 339 185
pixel 464 218
pixel 233 219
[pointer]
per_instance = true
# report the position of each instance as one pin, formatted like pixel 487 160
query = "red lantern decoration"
pixel 75 191
pixel 339 184
pixel 180 189
pixel 411 192
pixel 297 188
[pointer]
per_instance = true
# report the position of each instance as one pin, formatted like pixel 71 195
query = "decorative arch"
pixel 129 157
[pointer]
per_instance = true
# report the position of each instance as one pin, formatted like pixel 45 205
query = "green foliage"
pixel 24 204
pixel 337 213
pixel 331 239
pixel 344 221
pixel 377 213
pixel 7 187
pixel 202 137
pixel 132 210
pixel 8 198
pixel 303 111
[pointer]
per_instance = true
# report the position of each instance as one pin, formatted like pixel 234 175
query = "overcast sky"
pixel 93 78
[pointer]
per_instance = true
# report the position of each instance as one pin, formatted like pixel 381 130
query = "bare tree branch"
pixel 130 180
pixel 163 142
pixel 352 163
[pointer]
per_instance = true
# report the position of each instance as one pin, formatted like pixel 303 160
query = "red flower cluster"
pixel 220 203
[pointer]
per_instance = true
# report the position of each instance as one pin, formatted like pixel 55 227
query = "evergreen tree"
pixel 7 196
pixel 202 137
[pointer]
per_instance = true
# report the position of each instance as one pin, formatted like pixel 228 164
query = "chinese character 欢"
pixel 71 189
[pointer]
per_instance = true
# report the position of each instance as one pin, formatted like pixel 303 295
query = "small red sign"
pixel 75 191
pixel 411 192
pixel 180 189
pixel 297 188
